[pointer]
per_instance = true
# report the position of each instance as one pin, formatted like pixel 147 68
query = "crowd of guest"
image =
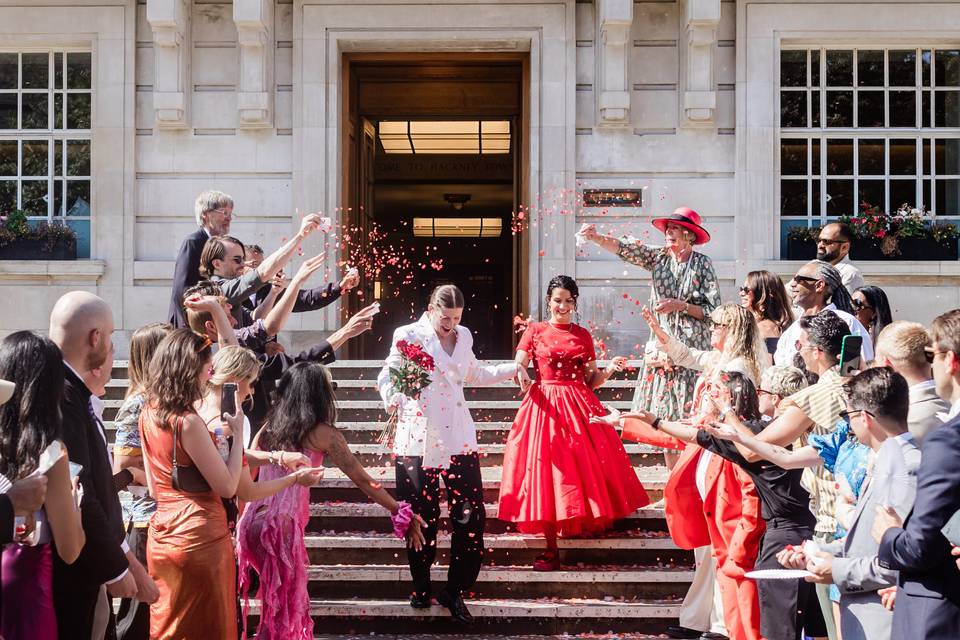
pixel 803 427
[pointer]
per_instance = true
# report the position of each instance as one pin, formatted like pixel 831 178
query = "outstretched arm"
pixel 784 458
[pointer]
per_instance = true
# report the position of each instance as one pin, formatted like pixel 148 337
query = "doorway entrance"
pixel 432 151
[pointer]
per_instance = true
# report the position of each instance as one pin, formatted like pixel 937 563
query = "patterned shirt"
pixel 127 443
pixel 822 404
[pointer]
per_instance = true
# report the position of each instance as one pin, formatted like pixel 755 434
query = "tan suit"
pixel 925 404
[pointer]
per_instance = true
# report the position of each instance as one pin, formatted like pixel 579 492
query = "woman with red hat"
pixel 683 293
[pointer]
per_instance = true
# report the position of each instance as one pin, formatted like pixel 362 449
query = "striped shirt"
pixel 822 404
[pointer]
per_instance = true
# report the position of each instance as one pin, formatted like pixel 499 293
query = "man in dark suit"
pixel 81 324
pixel 928 597
pixel 214 211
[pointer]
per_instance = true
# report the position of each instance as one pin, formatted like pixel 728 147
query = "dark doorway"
pixel 433 152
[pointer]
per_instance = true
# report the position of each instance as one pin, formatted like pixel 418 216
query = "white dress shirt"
pixel 786 346
pixel 849 274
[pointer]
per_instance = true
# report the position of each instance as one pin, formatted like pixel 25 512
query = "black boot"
pixel 458 609
pixel 420 600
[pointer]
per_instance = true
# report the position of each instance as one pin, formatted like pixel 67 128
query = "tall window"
pixel 45 104
pixel 868 125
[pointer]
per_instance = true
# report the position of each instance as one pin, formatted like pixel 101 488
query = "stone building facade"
pixel 759 115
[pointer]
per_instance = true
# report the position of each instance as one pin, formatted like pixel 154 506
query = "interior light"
pixel 457 227
pixel 458 137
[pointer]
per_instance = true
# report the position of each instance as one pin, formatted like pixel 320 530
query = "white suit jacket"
pixel 438 424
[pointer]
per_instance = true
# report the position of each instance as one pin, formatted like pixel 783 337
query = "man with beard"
pixel 214 211
pixel 833 246
pixel 81 324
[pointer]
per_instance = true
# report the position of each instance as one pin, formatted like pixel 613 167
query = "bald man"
pixel 81 324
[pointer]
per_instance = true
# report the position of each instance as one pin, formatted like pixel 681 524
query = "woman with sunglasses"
pixel 872 309
pixel 764 293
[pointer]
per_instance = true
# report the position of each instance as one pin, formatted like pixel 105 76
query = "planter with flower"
pixel 408 380
pixel 910 233
pixel 19 240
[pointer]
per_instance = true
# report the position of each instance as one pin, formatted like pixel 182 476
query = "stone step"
pixel 495 618
pixel 492 454
pixel 337 487
pixel 619 548
pixel 387 582
pixel 367 390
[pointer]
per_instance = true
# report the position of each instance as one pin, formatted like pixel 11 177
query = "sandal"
pixel 549 561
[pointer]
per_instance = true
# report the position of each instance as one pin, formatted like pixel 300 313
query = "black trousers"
pixel 421 488
pixel 786 606
pixel 133 616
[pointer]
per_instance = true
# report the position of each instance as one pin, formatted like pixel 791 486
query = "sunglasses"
pixel 829 241
pixel 859 304
pixel 847 415
pixel 744 290
pixel 931 354
pixel 799 279
pixel 762 391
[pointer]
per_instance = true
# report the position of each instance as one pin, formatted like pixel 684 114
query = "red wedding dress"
pixel 559 469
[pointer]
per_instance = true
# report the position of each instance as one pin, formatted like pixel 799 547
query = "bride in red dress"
pixel 562 474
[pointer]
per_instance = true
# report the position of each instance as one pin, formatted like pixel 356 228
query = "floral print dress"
pixel 667 394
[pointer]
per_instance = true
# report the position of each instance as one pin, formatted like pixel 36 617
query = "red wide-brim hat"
pixel 686 218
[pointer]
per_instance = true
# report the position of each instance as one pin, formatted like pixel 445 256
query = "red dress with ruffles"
pixel 558 468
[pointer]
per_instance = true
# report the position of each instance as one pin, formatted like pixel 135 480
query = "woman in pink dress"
pixel 561 474
pixel 270 534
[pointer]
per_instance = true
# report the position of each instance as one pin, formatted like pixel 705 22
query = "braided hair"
pixel 837 294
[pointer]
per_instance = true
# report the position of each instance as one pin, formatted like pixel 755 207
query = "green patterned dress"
pixel 667 394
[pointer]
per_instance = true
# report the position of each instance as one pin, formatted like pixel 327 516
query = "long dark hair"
pixel 882 316
pixel 31 420
pixel 563 282
pixel 173 381
pixel 770 301
pixel 304 398
pixel 743 395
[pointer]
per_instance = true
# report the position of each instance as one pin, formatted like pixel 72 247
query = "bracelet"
pixel 656 423
pixel 727 409
pixel 686 308
pixel 402 519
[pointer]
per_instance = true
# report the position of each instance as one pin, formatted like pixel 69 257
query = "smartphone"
pixel 850 355
pixel 951 530
pixel 228 399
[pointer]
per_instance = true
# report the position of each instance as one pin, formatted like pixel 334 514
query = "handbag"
pixel 186 478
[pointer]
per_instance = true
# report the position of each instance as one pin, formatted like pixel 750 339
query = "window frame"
pixel 924 137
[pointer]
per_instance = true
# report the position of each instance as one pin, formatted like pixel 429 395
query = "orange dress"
pixel 189 551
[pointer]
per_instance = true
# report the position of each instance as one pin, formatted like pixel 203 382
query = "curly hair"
pixel 743 338
pixel 173 381
pixel 31 420
pixel 304 399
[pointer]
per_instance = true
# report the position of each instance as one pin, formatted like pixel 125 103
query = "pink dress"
pixel 270 539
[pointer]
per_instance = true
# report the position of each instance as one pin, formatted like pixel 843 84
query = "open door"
pixel 360 220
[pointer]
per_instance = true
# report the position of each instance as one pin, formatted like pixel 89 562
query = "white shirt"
pixel 849 274
pixel 700 477
pixel 786 346
pixel 954 411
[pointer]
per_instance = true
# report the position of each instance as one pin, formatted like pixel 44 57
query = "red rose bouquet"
pixel 408 379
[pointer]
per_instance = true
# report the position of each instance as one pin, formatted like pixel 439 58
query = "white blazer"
pixel 438 424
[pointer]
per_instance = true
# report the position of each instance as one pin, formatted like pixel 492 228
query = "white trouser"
pixel 702 608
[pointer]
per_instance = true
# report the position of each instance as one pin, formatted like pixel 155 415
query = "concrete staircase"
pixel 630 581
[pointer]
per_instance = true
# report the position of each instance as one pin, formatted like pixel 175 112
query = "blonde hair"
pixel 743 338
pixel 234 363
pixel 782 380
pixel 903 343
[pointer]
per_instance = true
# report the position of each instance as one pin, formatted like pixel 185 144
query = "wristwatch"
pixel 656 423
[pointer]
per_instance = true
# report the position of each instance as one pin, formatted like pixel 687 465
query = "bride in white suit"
pixel 436 438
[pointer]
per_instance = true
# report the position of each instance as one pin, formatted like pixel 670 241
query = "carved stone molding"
pixel 698 44
pixel 255 33
pixel 170 22
pixel 613 91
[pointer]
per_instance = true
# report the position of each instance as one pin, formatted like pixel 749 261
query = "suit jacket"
pixel 928 600
pixel 307 299
pixel 186 274
pixel 438 424
pixel 76 586
pixel 272 369
pixel 683 506
pixel 925 404
pixel 856 572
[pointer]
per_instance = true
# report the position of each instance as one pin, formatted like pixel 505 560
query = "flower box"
pixel 922 249
pixel 30 249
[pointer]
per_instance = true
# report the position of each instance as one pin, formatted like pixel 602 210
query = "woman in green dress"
pixel 683 293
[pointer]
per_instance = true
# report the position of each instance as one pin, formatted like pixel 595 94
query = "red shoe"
pixel 549 561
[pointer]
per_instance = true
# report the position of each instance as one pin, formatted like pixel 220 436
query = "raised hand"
pixel 589 232
pixel 309 267
pixel 309 224
pixel 350 280
pixel 203 304
pixel 361 321
pixel 235 421
pixel 654 324
pixel 669 305
pixel 722 431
